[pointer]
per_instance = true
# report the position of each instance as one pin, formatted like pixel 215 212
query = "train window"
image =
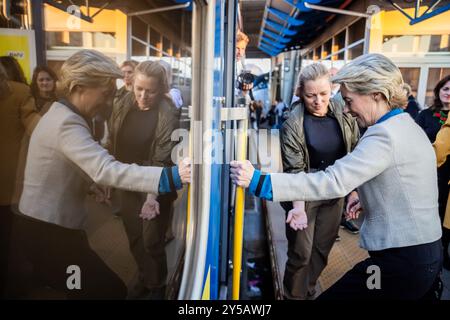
pixel 356 31
pixel 76 39
pixel 316 54
pixel 411 76
pixel 139 28
pixel 416 43
pixel 138 49
pixel 156 42
pixel 167 46
pixel 106 40
pixel 326 49
pixel 356 51
pixel 176 51
pixel 339 41
pixel 319 52
pixel 154 52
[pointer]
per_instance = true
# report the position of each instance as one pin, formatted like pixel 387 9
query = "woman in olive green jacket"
pixel 141 129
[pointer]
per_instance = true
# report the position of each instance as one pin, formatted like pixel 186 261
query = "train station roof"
pixel 291 24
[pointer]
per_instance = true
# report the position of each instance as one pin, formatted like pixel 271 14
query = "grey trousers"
pixel 147 237
pixel 308 249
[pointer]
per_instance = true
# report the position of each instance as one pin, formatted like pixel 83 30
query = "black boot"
pixel 349 226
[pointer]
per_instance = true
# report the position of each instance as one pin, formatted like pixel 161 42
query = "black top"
pixel 324 140
pixel 413 107
pixel 136 135
pixel 429 123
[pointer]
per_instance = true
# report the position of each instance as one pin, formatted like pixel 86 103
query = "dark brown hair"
pixel 34 86
pixel 437 105
pixel 4 88
pixel 13 69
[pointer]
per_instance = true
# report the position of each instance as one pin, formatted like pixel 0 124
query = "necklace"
pixel 442 116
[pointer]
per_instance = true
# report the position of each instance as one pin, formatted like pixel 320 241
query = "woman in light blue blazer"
pixel 390 167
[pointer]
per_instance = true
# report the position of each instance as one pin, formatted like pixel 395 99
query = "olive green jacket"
pixel 160 150
pixel 294 151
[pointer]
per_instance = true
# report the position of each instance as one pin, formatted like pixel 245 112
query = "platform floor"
pixel 344 255
pixel 107 237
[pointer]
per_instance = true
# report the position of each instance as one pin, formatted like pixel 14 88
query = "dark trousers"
pixel 443 198
pixel 408 273
pixel 147 238
pixel 308 249
pixel 51 249
pixel 6 217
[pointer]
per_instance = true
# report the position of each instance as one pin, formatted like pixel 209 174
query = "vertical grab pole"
pixel 239 213
pixel 191 156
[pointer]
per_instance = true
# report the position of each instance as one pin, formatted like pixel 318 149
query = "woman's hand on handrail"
pixel 241 173
pixel 184 170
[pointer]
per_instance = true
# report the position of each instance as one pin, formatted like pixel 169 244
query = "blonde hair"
pixel 373 73
pixel 88 68
pixel 129 63
pixel 312 72
pixel 154 69
pixel 242 37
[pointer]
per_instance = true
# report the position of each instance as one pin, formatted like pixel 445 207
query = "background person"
pixel 43 88
pixel 316 135
pixel 141 129
pixel 127 67
pixel 243 90
pixel 18 118
pixel 412 107
pixel 13 69
pixel 432 118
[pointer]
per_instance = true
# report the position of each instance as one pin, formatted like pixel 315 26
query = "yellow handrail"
pixel 191 156
pixel 239 213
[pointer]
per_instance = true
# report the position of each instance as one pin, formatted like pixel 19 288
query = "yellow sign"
pixel 20 45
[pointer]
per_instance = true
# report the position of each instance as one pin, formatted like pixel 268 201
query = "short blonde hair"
pixel 373 73
pixel 242 37
pixel 154 69
pixel 88 68
pixel 312 72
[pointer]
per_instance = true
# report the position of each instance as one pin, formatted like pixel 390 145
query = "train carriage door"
pixel 201 258
pixel 206 264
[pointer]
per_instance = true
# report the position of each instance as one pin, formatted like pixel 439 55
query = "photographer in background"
pixel 244 83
